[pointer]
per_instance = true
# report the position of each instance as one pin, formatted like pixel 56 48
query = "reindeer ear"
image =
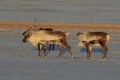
pixel 34 29
pixel 78 33
pixel 30 28
pixel 24 33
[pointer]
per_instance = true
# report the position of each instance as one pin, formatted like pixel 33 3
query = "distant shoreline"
pixel 60 25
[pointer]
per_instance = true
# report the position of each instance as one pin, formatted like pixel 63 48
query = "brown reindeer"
pixel 51 47
pixel 92 39
pixel 43 37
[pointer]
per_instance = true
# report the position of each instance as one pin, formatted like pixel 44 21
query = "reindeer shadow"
pixel 94 50
pixel 82 49
pixel 53 48
pixel 56 48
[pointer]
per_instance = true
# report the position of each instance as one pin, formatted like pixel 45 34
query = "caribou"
pixel 43 37
pixel 90 39
pixel 51 47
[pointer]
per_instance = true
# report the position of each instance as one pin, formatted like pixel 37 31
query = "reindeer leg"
pixel 61 50
pixel 69 49
pixel 39 49
pixel 103 45
pixel 44 47
pixel 53 47
pixel 50 46
pixel 89 54
pixel 105 52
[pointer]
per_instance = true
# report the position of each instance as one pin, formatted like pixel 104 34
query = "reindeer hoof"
pixel 103 59
pixel 58 57
pixel 38 57
pixel 45 57
pixel 90 58
pixel 72 57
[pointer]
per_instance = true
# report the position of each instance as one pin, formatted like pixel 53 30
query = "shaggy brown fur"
pixel 44 37
pixel 94 38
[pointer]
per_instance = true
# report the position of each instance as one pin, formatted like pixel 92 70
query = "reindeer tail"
pixel 107 38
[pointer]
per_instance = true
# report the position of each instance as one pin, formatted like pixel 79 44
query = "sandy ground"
pixel 61 25
pixel 18 60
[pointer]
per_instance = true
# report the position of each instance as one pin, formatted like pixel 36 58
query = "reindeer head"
pixel 27 34
pixel 81 39
pixel 78 33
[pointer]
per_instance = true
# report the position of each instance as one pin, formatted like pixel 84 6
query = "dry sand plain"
pixel 60 25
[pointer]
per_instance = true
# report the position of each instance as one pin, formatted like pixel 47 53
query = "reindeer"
pixel 51 47
pixel 90 39
pixel 43 37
